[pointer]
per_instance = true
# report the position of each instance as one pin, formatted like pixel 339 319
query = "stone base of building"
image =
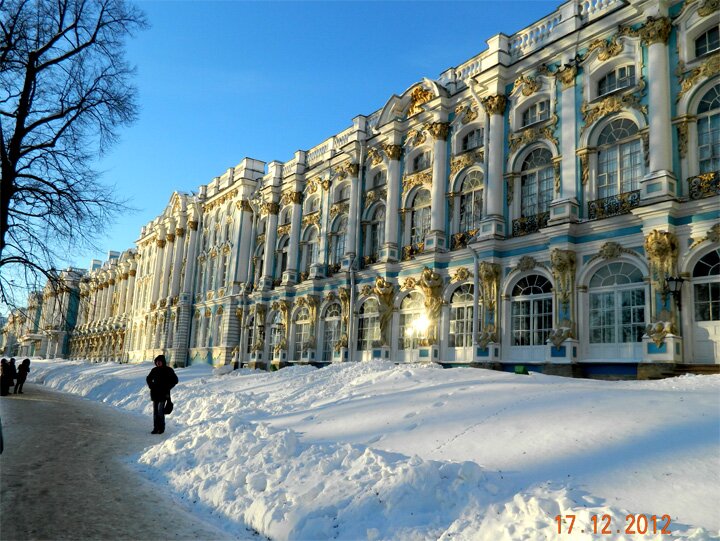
pixel 430 354
pixel 658 185
pixel 570 370
pixel 279 360
pixel 670 351
pixel 341 356
pixel 657 370
pixel 382 352
pixel 565 352
pixel 488 354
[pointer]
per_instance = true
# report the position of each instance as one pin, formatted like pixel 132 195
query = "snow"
pixel 380 451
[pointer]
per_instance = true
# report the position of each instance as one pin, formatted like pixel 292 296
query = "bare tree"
pixel 65 89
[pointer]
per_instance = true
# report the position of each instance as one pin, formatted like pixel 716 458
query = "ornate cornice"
pixel 495 105
pixel 655 30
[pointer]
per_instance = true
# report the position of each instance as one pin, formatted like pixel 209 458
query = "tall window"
pixel 277 331
pixel 617 304
pixel 708 42
pixel 310 248
pixel 706 287
pixel 285 216
pixel 379 179
pixel 281 257
pixel 622 77
pixel 708 126
pixel 411 310
pixel 473 139
pixel 312 205
pixel 471 201
pixel 302 332
pixel 531 312
pixel 337 240
pixel 536 113
pixel 377 231
pixel 343 193
pixel 620 160
pixel 331 330
pixel 420 218
pixel 461 317
pixel 421 161
pixel 536 182
pixel 250 336
pixel 368 325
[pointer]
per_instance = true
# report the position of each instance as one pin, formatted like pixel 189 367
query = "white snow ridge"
pixel 383 452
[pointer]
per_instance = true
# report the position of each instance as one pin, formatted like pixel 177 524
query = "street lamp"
pixel 673 285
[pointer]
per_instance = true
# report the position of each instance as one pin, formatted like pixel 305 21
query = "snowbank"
pixel 377 451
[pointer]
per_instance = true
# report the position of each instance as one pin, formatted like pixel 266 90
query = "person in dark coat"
pixel 161 379
pixel 22 372
pixel 5 380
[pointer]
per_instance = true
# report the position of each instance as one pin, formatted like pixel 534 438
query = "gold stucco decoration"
pixel 461 275
pixel 311 219
pixel 662 249
pixel 709 7
pixel 438 130
pixel 422 178
pixel 466 160
pixel 339 208
pixel 283 230
pixel 655 30
pixel 713 235
pixel 528 85
pixel 418 97
pixel 563 264
pixel 533 134
pixel 708 68
pixel 494 105
pixel 393 152
pixel 431 284
pixel 374 156
pixel 377 194
pixel 607 48
pixel 566 75
pixel 611 104
pixel 385 292
pixel 416 137
pixel 408 284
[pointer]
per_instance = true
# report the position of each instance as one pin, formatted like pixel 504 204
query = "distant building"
pixel 533 206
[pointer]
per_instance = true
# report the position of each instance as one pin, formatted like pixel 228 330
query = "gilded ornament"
pixel 469 115
pixel 438 130
pixel 245 205
pixel 510 188
pixel 283 230
pixel 661 249
pixel 385 292
pixel 713 235
pixel 408 284
pixel 160 243
pixel 374 156
pixel 179 232
pixel 566 75
pixel 461 275
pixel 584 155
pixel 423 178
pixel 611 104
pixel 311 186
pixel 489 282
pixel 344 296
pixel 193 225
pixel 709 7
pixel 682 133
pixel 418 97
pixel 526 263
pixel 339 208
pixel 311 219
pixel 529 85
pixel 171 237
pixel 658 330
pixel 465 160
pixel 494 105
pixel 709 68
pixel 530 135
pixel 416 137
pixel 393 152
pixel 607 48
pixel 563 265
pixel 645 138
pixel 366 290
pixel 557 162
pixel 270 208
pixel 655 30
pixel 260 239
pixel 377 194
pixel 431 284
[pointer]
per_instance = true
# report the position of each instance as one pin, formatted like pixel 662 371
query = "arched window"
pixel 368 325
pixel 285 216
pixel 281 257
pixel 250 335
pixel 461 317
pixel 708 126
pixel 706 287
pixel 531 311
pixel 412 309
pixel 277 331
pixel 331 330
pixel 420 218
pixel 620 160
pixel 337 240
pixel 617 304
pixel 212 263
pixel 379 179
pixel 421 161
pixel 707 42
pixel 473 139
pixel 310 249
pixel 377 231
pixel 621 77
pixel 537 112
pixel 302 332
pixel 536 183
pixel 471 201
pixel 343 194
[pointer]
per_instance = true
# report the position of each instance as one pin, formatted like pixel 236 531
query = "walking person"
pixel 5 380
pixel 22 372
pixel 161 379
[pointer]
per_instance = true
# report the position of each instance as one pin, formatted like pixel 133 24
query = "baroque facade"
pixel 534 205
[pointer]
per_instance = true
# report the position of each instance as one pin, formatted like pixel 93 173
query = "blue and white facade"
pixel 526 207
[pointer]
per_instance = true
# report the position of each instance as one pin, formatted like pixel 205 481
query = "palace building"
pixel 553 202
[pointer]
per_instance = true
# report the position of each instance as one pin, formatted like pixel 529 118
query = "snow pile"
pixel 378 451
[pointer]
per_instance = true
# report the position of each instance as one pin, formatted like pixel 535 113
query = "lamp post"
pixel 673 285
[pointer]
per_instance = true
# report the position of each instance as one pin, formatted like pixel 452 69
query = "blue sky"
pixel 219 81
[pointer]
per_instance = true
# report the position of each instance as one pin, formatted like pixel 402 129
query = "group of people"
pixel 11 375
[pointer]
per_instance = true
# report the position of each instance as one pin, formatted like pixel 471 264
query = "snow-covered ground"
pixel 377 451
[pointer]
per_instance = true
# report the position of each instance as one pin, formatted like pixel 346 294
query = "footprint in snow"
pixel 411 426
pixel 411 414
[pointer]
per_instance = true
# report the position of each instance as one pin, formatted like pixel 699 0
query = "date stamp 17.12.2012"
pixel 602 525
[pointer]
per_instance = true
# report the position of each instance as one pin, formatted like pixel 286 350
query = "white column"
pixel 157 270
pixel 191 259
pixel 270 241
pixel 109 297
pixel 242 239
pixel 130 292
pixel 179 247
pixel 436 239
pixel 656 33
pixel 568 121
pixel 390 249
pixel 165 277
pixel 353 211
pixel 494 222
pixel 290 275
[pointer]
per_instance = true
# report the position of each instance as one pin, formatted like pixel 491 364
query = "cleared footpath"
pixel 63 475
